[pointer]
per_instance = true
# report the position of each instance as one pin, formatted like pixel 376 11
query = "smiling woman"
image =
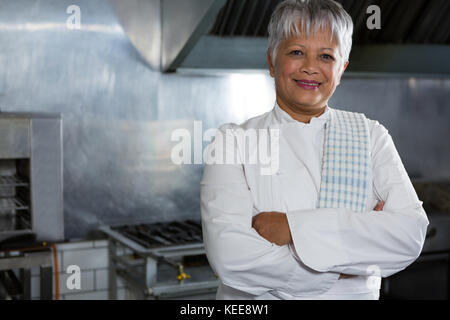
pixel 308 54
pixel 340 211
pixel 307 71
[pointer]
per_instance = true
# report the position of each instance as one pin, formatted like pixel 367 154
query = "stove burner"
pixel 159 234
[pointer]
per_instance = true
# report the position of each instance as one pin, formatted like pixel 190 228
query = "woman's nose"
pixel 309 66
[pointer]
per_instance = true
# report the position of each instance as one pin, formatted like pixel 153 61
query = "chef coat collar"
pixel 283 117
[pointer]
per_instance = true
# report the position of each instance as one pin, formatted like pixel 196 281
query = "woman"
pixel 339 212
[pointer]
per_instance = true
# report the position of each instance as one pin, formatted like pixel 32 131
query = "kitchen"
pixel 108 84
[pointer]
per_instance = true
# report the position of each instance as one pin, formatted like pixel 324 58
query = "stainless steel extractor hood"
pixel 164 31
pixel 414 38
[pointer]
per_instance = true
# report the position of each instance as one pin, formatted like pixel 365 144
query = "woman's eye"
pixel 296 52
pixel 327 57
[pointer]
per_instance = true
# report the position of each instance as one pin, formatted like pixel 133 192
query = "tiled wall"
pixel 92 258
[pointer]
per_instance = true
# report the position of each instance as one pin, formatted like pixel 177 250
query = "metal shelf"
pixel 12 181
pixel 13 223
pixel 13 204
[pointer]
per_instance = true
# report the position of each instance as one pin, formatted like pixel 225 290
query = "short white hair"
pixel 289 14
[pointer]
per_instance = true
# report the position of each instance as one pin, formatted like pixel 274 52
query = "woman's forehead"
pixel 322 37
pixel 314 32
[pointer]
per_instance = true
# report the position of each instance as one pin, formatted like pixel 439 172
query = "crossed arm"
pixel 274 227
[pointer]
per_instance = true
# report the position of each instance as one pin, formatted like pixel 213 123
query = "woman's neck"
pixel 300 115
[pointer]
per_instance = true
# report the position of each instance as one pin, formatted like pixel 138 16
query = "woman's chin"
pixel 309 105
pixel 307 98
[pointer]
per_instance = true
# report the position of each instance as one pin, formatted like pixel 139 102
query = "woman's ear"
pixel 342 72
pixel 269 62
pixel 345 66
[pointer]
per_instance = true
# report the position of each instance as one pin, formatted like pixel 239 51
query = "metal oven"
pixel 31 197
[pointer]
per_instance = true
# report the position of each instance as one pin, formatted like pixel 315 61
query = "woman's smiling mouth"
pixel 308 84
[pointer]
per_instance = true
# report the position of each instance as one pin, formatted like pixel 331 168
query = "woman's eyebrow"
pixel 300 45
pixel 296 44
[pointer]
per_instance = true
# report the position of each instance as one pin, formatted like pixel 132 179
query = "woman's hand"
pixel 272 226
pixel 379 206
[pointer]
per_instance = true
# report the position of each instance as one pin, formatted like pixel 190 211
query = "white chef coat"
pixel 326 241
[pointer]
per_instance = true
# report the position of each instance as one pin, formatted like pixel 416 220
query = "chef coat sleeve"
pixel 236 252
pixel 373 242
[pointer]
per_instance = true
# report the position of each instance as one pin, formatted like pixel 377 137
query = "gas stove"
pixel 161 260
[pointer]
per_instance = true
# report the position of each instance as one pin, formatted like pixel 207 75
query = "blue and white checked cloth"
pixel 345 162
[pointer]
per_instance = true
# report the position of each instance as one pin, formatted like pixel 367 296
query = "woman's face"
pixel 306 71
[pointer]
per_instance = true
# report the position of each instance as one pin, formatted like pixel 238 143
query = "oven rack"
pixel 13 203
pixel 12 181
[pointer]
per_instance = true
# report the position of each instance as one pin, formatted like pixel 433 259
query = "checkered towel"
pixel 346 161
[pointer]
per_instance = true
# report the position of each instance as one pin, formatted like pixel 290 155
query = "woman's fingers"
pixel 379 206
